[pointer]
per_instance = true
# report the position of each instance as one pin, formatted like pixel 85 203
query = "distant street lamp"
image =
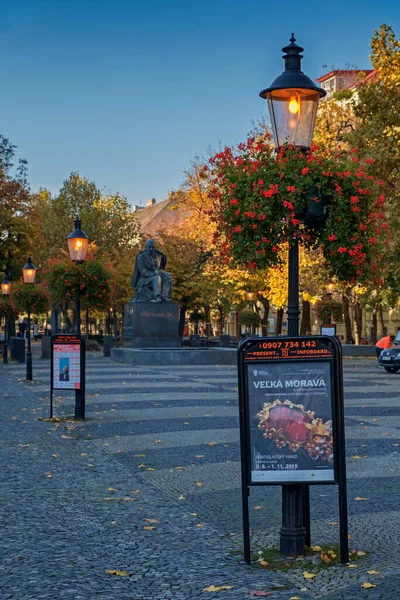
pixel 329 286
pixel 78 243
pixel 250 297
pixel 292 102
pixel 29 272
pixel 5 290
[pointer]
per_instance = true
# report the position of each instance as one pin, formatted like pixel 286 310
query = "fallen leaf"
pixel 333 523
pixel 150 469
pixel 193 514
pixel 199 456
pixel 112 490
pixel 111 498
pixel 142 467
pixel 135 492
pixel 24 445
pixel 140 455
pixel 316 548
pixel 49 474
pixel 55 456
pixel 158 442
pixel 128 498
pixel 151 521
pixel 119 573
pixel 294 598
pixel 220 588
pixel 257 507
pixel 366 585
pixel 352 566
pixel 149 527
pixel 373 572
pixel 356 456
pixel 263 562
pixel 181 497
pixel 67 437
pixel 359 499
pixel 199 484
pixel 308 575
pixel 199 525
pixel 211 443
pixel 361 553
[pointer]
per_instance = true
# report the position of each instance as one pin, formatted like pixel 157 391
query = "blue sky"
pixel 128 92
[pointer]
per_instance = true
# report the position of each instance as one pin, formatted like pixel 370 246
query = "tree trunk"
pixel 357 319
pixel 381 320
pixel 207 318
pixel 115 321
pixel 279 320
pixel 87 323
pixel 305 318
pixel 346 314
pixel 264 320
pixel 182 315
pixel 374 332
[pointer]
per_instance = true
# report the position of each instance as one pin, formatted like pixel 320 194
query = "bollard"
pixel 17 349
pixel 108 342
pixel 225 341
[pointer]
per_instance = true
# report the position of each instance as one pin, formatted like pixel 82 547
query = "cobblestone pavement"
pixel 150 484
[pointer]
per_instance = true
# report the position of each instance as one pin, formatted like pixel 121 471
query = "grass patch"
pixel 315 559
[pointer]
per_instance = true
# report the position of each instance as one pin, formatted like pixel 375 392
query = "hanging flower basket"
pixel 329 309
pixel 262 199
pixel 34 297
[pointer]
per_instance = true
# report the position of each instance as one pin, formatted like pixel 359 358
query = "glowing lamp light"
pixel 78 243
pixel 5 286
pixel 29 271
pixel 294 106
pixel 329 286
pixel 293 101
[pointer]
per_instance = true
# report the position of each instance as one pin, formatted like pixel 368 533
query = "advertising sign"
pixel 67 370
pixel 290 412
pixel 66 366
pixel 328 329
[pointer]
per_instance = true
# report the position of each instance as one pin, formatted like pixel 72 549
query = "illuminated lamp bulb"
pixel 294 106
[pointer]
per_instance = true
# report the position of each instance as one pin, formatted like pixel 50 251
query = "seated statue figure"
pixel 149 280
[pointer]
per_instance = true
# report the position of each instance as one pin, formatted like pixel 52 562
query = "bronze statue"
pixel 149 280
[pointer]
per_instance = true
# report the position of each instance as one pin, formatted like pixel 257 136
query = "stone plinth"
pixel 151 325
pixel 175 356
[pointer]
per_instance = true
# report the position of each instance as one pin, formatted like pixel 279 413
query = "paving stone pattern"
pixel 160 449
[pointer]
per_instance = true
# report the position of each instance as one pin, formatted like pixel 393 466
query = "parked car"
pixel 389 359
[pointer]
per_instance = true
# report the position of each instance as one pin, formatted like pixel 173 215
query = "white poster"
pixel 66 367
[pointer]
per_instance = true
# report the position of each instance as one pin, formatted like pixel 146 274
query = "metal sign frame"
pixel 328 329
pixel 65 339
pixel 294 350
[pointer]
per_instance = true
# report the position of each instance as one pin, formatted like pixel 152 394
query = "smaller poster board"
pixel 328 329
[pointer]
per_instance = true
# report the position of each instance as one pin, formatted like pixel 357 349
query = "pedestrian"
pixel 35 331
pixel 385 342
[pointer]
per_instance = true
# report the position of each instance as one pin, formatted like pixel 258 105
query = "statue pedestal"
pixel 151 325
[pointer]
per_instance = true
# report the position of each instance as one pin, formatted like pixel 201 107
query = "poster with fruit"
pixel 290 413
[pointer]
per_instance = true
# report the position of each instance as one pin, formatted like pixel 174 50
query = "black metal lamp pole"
pixel 29 272
pixel 5 290
pixel 78 243
pixel 292 102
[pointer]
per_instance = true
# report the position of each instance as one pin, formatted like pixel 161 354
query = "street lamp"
pixel 5 290
pixel 329 286
pixel 78 243
pixel 292 102
pixel 250 297
pixel 29 272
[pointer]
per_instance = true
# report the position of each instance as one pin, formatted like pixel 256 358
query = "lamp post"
pixel 329 286
pixel 78 243
pixel 292 103
pixel 29 272
pixel 5 290
pixel 250 297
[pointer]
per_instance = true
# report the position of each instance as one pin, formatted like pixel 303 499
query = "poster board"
pixel 67 362
pixel 328 329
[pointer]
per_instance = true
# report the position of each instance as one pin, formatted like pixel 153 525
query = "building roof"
pixel 160 216
pixel 342 72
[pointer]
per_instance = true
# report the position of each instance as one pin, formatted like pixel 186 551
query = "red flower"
pixel 342 249
pixel 332 237
pixel 305 170
pixel 354 199
pixel 291 188
pixel 295 221
pixel 363 227
pixel 234 202
pixel 237 229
